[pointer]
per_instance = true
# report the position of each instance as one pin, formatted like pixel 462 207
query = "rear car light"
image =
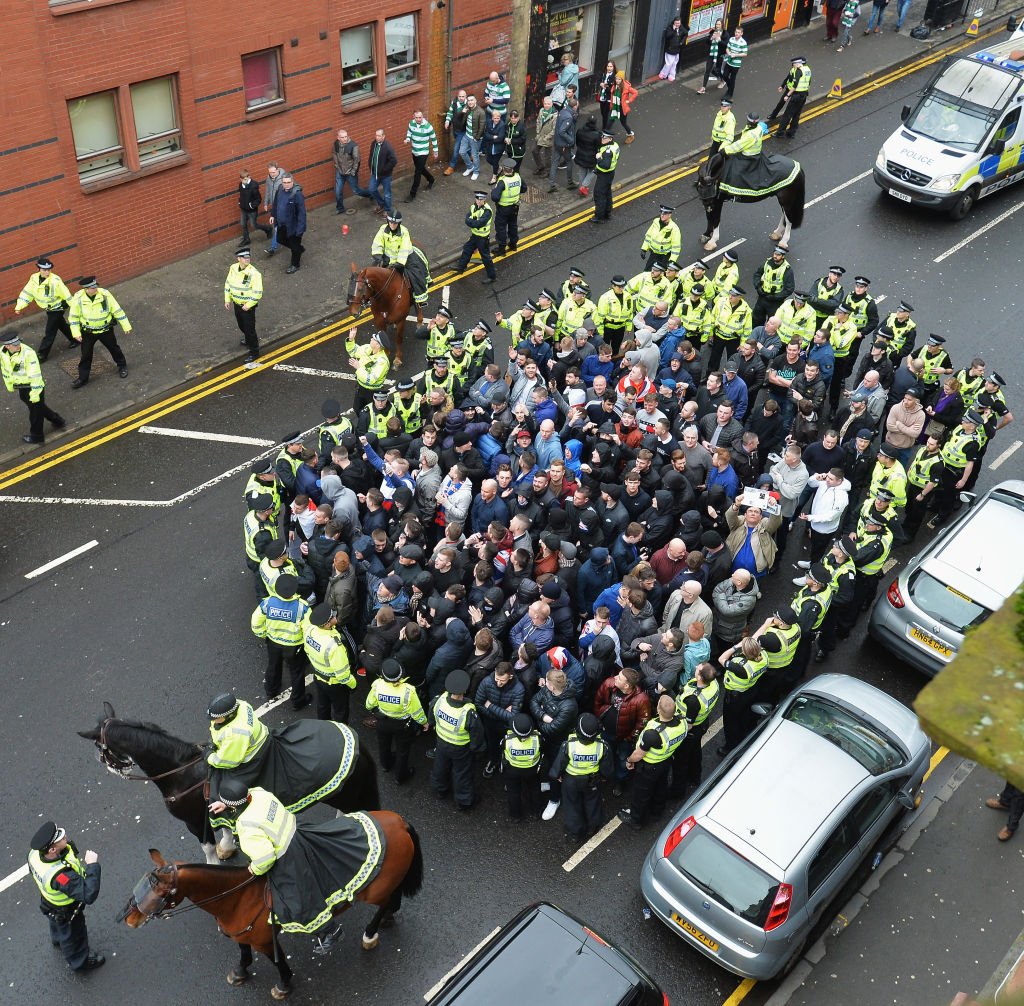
pixel 677 834
pixel 664 999
pixel 894 595
pixel 780 907
pixel 590 932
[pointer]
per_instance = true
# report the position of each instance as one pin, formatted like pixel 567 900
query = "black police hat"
pixel 286 586
pixel 456 683
pixel 330 408
pixel 47 835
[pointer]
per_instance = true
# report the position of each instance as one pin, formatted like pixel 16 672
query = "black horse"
pixel 179 770
pixel 789 195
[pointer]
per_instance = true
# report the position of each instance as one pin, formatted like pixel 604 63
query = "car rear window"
pixel 858 738
pixel 944 603
pixel 726 876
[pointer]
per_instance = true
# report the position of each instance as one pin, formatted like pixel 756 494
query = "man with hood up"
pixel 658 520
pixel 455 651
pixel 595 575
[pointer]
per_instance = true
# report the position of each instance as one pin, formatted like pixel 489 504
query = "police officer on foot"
pixel 371 365
pixel 520 767
pixel 607 161
pixel 67 884
pixel 49 293
pixel 21 372
pixel 92 316
pixel 794 95
pixel 278 621
pixel 650 762
pixel 399 716
pixel 459 735
pixel 506 195
pixel 581 762
pixel 243 290
pixel 663 239
pixel 478 220
pixel 328 656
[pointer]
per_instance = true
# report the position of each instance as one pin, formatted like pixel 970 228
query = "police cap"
pixel 9 339
pixel 663 208
pixel 88 282
pixel 244 252
pixel 787 615
pixel 261 466
pixel 382 339
pixel 818 573
pixel 618 280
pixel 47 835
pixel 481 324
pixel 576 273
pixel 837 269
pixel 737 291
pixel 330 408
pixel 887 451
pixel 391 670
pixel 842 309
pixel 456 683
pixel 261 502
pixel 322 613
pixel 286 586
pixel 531 305
pixel 862 281
pixel 731 256
pixel 657 267
pixel 698 289
pixel 508 163
pixel 444 312
pixel 589 726
pixel 904 306
pixel 973 418
pixel 522 724
pixel 800 295
pixel 275 549
pixel 481 194
pixel 292 438
pixel 405 384
pixel 233 791
pixel 381 395
pixel 994 378
pixel 395 217
pixel 935 340
pixel 44 263
pixel 549 295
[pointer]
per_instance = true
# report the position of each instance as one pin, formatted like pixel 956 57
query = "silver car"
pixel 752 860
pixel 964 575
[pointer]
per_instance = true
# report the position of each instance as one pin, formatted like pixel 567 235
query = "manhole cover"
pixel 532 195
pixel 69 364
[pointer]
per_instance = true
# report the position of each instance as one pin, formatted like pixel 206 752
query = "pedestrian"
pixel 397 712
pixel 289 217
pixel 497 94
pixel 21 372
pixel 877 14
pixel 673 38
pixel 478 220
pixel 421 138
pixel 623 96
pixel 735 53
pixel 607 161
pixel 277 620
pixel 902 9
pixel 565 140
pixel 544 137
pixel 651 762
pixel 476 122
pixel 275 173
pixel 515 139
pixel 1011 799
pixel 723 129
pixel 382 163
pixel 520 767
pixel 588 140
pixel 851 11
pixel 329 657
pixel 66 885
pixel 506 196
pixel 795 96
pixel 346 170
pixel 455 126
pixel 568 74
pixel 243 290
pixel 493 145
pixel 92 316
pixel 49 293
pixel 459 735
pixel 249 206
pixel 371 365
pixel 713 60
pixel 833 10
pixel 582 761
pixel 604 92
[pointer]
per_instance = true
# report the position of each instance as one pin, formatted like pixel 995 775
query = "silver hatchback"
pixel 752 860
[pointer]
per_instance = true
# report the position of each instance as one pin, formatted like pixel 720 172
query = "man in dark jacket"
pixel 382 162
pixel 673 38
pixel 498 698
pixel 623 708
pixel 249 205
pixel 565 140
pixel 554 709
pixel 320 552
pixel 453 652
pixel 561 613
pixel 289 217
pixel 588 139
pixel 597 573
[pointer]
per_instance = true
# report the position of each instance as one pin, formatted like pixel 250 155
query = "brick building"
pixel 126 120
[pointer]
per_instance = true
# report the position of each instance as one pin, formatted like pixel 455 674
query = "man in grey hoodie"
pixel 274 175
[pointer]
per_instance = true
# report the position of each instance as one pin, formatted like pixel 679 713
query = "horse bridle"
pixel 373 296
pixel 152 905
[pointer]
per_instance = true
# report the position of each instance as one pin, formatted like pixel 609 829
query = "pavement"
pixel 181 330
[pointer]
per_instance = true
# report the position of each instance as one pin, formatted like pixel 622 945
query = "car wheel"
pixel 964 204
pixel 791 962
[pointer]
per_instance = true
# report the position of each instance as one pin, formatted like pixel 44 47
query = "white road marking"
pixel 279 699
pixel 880 298
pixel 337 375
pixel 838 188
pixel 1007 454
pixel 977 234
pixel 721 251
pixel 64 558
pixel 430 993
pixel 609 829
pixel 12 878
pixel 227 438
pixel 446 292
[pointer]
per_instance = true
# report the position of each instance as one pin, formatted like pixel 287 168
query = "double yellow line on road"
pixel 180 400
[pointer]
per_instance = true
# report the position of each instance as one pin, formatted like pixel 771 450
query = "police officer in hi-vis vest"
pixel 650 762
pixel 580 764
pixel 399 715
pixel 478 220
pixel 460 734
pixel 520 767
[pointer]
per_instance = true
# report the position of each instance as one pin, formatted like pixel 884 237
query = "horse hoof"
pixel 236 978
pixel 711 246
pixel 279 993
pixel 225 854
pixel 371 944
pixel 398 363
pixel 775 235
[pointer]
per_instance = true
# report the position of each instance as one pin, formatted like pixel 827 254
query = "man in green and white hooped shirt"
pixel 421 136
pixel 735 53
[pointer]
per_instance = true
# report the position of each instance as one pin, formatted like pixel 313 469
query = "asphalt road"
pixel 154 617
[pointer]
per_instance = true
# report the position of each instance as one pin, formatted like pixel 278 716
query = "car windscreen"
pixel 857 737
pixel 726 876
pixel 945 604
pixel 963 127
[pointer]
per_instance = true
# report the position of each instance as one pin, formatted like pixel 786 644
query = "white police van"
pixel 964 139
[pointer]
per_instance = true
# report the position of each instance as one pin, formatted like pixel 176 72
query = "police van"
pixel 964 139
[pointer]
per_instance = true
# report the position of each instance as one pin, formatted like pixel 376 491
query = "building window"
pixel 400 51
pixel 751 10
pixel 261 78
pixel 703 15
pixel 573 30
pixel 97 133
pixel 358 71
pixel 155 109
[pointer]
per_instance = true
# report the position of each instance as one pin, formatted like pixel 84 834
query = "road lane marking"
pixel 12 878
pixel 741 993
pixel 1006 455
pixel 430 993
pixel 226 438
pixel 278 700
pixel 53 563
pixel 933 764
pixel 977 234
pixel 838 188
pixel 336 375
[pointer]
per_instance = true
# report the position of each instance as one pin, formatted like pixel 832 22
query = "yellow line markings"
pixel 741 993
pixel 936 759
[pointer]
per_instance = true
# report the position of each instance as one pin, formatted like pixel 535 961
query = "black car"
pixel 547 957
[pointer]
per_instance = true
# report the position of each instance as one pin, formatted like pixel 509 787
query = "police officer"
pixel 923 475
pixel 50 294
pixel 92 316
pixel 373 419
pixel 397 711
pixel 773 283
pixel 264 826
pixel 276 563
pixel 796 320
pixel 479 349
pixel 259 529
pixel 843 574
pixel 460 365
pixel 439 376
pixel 329 657
pixel 239 737
pixel 19 367
pixel 696 702
pixel 811 604
pixel 730 325
pixel 287 464
pixel 547 312
pixel 437 331
pixel 863 309
pixel 959 455
pixel 581 761
pixel 843 337
pixel 749 142
pixel 575 310
pixel 459 734
pixel 614 313
pixel 723 129
pixel 826 294
pixel 263 481
pixel 66 885
pixel 890 475
pixel 506 195
pixel 332 429
pixel 278 621
pixel 478 220
pixel 904 332
pixel 392 244
pixel 745 664
pixel 607 161
pixel 520 767
pixel 726 276
pixel 694 314
pixel 651 762
pixel 243 290
pixel 576 276
pixel 990 403
pixel 937 366
pixel 778 636
pixel 520 322
pixel 794 96
pixel 371 365
pixel 870 550
pixel 663 239
pixel 647 288
pixel 408 406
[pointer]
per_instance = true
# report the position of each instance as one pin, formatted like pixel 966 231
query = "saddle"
pixel 755 177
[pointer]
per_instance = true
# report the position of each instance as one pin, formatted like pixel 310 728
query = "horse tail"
pixel 412 883
pixel 371 797
pixel 795 211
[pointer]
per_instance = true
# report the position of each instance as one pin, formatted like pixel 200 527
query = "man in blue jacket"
pixel 289 217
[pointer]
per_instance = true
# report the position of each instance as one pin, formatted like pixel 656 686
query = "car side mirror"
pixel 997 146
pixel 905 800
pixel 905 113
pixel 968 498
pixel 761 710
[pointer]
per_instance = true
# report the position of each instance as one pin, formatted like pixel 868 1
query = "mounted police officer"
pixel 582 760
pixel 398 713
pixel 392 243
pixel 748 143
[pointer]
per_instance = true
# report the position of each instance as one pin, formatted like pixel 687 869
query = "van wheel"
pixel 964 204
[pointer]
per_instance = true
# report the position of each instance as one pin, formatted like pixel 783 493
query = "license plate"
pixel 694 932
pixel 900 195
pixel 930 641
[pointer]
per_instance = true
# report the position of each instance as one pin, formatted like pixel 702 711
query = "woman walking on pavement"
pixel 877 13
pixel 623 96
pixel 713 62
pixel 604 93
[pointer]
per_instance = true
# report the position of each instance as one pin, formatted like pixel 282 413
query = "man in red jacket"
pixel 623 708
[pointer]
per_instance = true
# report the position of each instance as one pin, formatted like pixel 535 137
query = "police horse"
pixel 749 180
pixel 341 773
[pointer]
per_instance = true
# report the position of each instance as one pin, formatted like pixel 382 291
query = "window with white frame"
pixel 95 127
pixel 155 110
pixel 358 67
pixel 400 51
pixel 262 79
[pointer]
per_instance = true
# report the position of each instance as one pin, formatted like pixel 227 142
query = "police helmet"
pixel 233 793
pixel 588 726
pixel 391 670
pixel 522 724
pixel 286 586
pixel 224 704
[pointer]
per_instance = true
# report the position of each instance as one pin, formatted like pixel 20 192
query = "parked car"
pixel 547 957
pixel 964 575
pixel 753 859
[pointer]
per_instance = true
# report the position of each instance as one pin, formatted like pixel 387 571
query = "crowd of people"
pixel 558 564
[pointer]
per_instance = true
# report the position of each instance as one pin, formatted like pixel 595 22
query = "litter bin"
pixel 943 13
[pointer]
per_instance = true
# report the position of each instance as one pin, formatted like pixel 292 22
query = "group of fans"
pixel 556 563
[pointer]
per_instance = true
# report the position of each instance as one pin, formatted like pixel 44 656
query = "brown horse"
pixel 240 901
pixel 388 294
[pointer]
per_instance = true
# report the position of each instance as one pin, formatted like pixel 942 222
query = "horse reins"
pixel 105 751
pixel 181 909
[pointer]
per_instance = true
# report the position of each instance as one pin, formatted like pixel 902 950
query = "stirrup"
pixel 325 944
